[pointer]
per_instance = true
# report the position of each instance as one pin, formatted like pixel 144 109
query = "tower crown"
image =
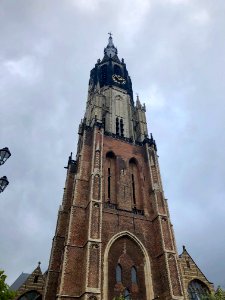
pixel 111 71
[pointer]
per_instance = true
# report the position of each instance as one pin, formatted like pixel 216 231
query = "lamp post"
pixel 4 155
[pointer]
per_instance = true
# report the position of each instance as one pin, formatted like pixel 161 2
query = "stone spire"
pixel 110 49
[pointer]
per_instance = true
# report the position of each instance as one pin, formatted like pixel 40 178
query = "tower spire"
pixel 110 49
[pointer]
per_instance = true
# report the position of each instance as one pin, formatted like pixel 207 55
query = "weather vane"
pixel 110 34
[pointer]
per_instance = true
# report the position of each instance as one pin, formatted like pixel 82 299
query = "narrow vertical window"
pixel 117 126
pixel 121 127
pixel 133 188
pixel 188 264
pixel 109 176
pixel 118 274
pixel 133 275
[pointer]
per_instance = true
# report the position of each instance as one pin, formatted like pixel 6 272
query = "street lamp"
pixel 4 155
pixel 3 183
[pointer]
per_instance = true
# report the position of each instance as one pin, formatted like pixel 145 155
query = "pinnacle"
pixel 110 49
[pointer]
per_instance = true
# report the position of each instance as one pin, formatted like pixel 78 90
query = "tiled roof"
pixel 19 281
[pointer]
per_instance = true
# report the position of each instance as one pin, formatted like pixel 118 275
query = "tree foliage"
pixel 218 295
pixel 5 293
pixel 119 298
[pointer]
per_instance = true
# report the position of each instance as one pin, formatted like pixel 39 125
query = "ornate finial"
pixel 110 35
pixel 184 249
pixel 39 263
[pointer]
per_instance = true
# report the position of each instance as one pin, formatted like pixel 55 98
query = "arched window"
pixel 127 294
pixel 118 274
pixel 133 275
pixel 197 290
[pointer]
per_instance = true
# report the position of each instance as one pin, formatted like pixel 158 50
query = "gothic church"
pixel 114 234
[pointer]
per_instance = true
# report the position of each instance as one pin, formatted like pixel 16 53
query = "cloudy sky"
pixel 174 51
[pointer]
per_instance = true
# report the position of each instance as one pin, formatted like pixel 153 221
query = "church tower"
pixel 113 235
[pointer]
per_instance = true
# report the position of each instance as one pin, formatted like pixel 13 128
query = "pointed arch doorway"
pixel 126 259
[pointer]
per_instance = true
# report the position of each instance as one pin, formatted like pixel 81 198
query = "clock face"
pixel 118 79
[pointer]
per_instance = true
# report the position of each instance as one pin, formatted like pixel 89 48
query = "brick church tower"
pixel 113 234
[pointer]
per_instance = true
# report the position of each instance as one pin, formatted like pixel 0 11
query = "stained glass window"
pixel 197 289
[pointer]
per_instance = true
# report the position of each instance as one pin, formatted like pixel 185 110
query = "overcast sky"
pixel 174 51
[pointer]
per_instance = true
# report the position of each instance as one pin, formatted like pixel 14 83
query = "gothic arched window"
pixel 197 290
pixel 118 273
pixel 133 275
